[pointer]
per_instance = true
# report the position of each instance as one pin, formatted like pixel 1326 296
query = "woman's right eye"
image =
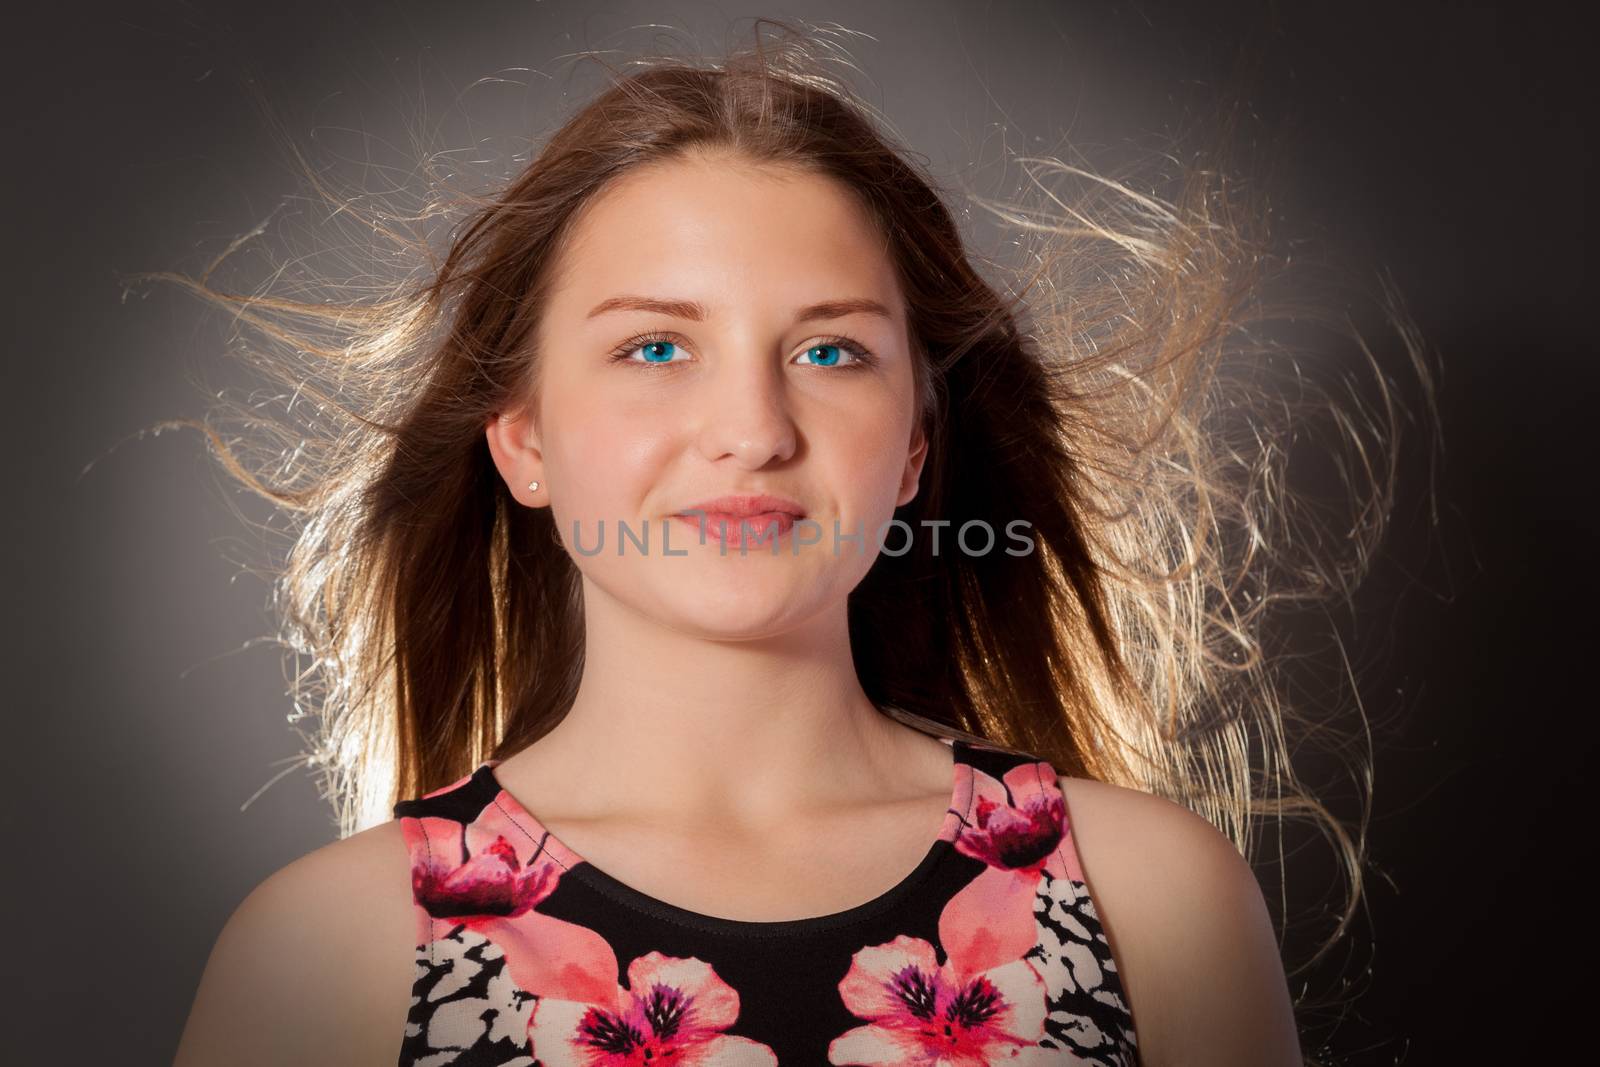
pixel 655 349
pixel 658 351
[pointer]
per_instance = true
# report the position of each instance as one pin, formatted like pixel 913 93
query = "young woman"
pixel 770 647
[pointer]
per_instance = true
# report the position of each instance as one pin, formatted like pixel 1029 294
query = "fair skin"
pixel 718 692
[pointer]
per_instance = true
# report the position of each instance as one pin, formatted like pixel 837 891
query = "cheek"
pixel 866 456
pixel 601 461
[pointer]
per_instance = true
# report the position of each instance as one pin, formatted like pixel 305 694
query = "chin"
pixel 742 607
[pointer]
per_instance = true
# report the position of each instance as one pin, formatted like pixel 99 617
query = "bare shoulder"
pixel 1188 927
pixel 314 966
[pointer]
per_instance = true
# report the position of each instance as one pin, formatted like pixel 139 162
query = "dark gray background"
pixel 1445 143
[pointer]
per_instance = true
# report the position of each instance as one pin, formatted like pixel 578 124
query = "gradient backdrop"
pixel 1444 142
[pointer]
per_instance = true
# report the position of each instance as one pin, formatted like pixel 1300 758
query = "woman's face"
pixel 725 386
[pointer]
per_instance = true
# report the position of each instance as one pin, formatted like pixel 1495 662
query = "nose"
pixel 747 415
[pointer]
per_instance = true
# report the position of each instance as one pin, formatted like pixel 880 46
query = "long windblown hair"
pixel 1124 382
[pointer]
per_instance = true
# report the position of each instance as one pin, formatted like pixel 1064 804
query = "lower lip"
pixel 760 526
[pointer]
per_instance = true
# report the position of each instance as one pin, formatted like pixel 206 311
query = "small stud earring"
pixel 533 487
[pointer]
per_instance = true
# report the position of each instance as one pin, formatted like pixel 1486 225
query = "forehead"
pixel 698 227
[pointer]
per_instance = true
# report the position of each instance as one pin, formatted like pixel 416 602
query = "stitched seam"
pixel 427 841
pixel 1115 972
pixel 690 924
pixel 972 793
pixel 1039 774
pixel 758 934
pixel 962 768
pixel 963 776
pixel 538 846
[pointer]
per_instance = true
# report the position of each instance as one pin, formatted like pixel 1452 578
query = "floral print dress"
pixel 989 952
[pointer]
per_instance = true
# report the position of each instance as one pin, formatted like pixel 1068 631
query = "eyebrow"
pixel 695 311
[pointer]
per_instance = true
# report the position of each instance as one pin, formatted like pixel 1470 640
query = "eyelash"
pixel 862 358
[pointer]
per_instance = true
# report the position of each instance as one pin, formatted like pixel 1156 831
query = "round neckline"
pixel 576 866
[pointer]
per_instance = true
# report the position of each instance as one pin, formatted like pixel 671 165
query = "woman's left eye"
pixel 832 353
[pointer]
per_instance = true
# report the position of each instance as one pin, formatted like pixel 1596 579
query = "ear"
pixel 910 477
pixel 513 441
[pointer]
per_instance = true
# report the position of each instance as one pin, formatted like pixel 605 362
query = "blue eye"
pixel 826 361
pixel 657 351
pixel 827 354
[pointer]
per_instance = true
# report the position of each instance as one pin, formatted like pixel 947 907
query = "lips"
pixel 763 515
pixel 741 507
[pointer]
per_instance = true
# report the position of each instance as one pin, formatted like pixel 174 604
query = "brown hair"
pixel 1122 389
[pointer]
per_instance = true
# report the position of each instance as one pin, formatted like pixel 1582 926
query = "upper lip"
pixel 740 506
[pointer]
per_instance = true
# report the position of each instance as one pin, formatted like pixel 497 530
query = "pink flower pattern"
pixel 674 1011
pixel 483 869
pixel 986 1003
pixel 926 1014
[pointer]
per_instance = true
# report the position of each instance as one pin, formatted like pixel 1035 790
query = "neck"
pixel 673 724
